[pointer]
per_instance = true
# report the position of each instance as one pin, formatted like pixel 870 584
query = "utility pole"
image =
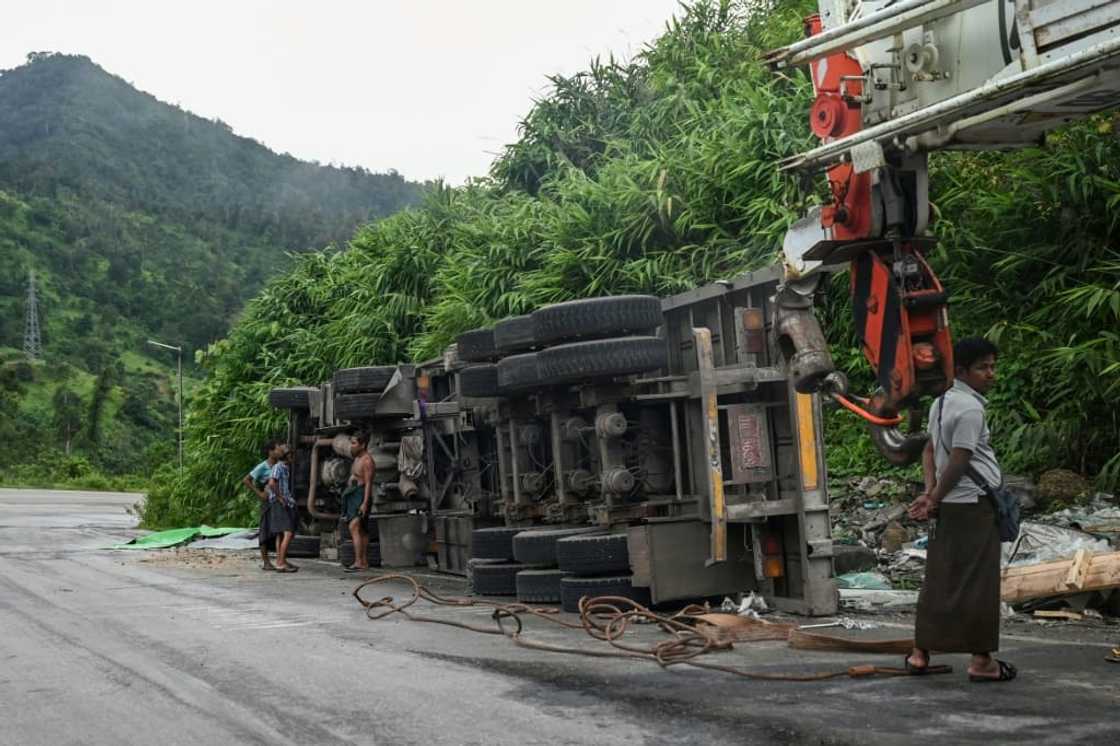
pixel 179 397
pixel 32 343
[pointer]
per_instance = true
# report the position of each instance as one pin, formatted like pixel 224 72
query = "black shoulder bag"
pixel 1005 502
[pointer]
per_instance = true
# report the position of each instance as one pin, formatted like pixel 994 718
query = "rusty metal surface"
pixel 749 433
pixel 702 338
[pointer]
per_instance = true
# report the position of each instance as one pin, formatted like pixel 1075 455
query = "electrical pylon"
pixel 32 344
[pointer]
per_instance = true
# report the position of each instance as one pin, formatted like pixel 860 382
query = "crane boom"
pixel 894 81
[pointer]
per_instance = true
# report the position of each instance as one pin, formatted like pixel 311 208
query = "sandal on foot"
pixel 288 568
pixel 916 670
pixel 1007 672
pixel 268 568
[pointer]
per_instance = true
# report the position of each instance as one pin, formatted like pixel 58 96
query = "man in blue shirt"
pixel 257 480
pixel 283 517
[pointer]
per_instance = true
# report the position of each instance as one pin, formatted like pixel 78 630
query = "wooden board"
pixel 1087 573
pixel 804 640
pixel 1069 616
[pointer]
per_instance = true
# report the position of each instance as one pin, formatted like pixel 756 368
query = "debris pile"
pixel 1063 567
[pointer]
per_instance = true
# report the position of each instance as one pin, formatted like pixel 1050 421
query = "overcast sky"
pixel 429 88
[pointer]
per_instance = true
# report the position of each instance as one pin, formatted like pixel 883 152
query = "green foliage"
pixel 653 176
pixel 1029 251
pixel 67 415
pixel 656 176
pixel 140 221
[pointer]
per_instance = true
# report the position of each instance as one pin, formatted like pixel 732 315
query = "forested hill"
pixel 65 123
pixel 149 211
pixel 143 220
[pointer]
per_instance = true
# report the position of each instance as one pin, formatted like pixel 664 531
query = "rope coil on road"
pixel 607 619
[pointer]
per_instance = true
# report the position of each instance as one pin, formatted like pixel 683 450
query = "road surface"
pixel 111 647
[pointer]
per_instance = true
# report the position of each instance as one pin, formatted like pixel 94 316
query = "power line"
pixel 32 344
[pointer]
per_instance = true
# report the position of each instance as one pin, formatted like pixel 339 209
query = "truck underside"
pixel 672 422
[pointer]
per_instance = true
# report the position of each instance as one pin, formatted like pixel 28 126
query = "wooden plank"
pixel 1069 616
pixel 1048 578
pixel 1075 578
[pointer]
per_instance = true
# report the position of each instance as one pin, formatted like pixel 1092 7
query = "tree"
pixel 101 390
pixel 67 414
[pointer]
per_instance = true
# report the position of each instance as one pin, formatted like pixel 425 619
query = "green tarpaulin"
pixel 174 537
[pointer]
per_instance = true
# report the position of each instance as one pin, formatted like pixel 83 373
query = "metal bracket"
pixel 867 156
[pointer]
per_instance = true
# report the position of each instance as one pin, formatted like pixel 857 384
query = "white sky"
pixel 427 87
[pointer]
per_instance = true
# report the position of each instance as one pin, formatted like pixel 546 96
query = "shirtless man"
pixel 357 497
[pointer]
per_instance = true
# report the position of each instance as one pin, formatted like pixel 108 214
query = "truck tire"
pixel 515 334
pixel 290 398
pixel 344 531
pixel 605 554
pixel 494 578
pixel 572 589
pixel 538 546
pixel 473 563
pixel 355 406
pixel 493 543
pixel 594 318
pixel 480 381
pixel 304 546
pixel 346 554
pixel 539 586
pixel 476 346
pixel 518 373
pixel 603 358
pixel 370 380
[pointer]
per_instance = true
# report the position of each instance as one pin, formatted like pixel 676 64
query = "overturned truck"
pixel 655 448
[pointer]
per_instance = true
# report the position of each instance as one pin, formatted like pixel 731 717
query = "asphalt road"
pixel 110 647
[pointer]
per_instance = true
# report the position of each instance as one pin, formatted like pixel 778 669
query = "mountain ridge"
pixel 141 220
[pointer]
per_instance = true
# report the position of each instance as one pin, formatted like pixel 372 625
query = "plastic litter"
pixel 868 581
pixel 750 606
pixel 868 600
pixel 845 622
pixel 1039 542
pixel 174 537
pixel 230 542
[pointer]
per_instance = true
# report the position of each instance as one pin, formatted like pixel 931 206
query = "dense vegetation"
pixel 657 175
pixel 140 220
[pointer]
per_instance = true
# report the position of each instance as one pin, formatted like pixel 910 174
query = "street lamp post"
pixel 179 350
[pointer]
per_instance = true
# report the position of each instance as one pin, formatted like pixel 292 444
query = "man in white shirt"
pixel 959 605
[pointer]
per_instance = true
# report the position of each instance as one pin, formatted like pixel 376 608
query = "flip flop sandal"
pixel 350 569
pixel 268 568
pixel 916 670
pixel 1007 672
pixel 289 568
